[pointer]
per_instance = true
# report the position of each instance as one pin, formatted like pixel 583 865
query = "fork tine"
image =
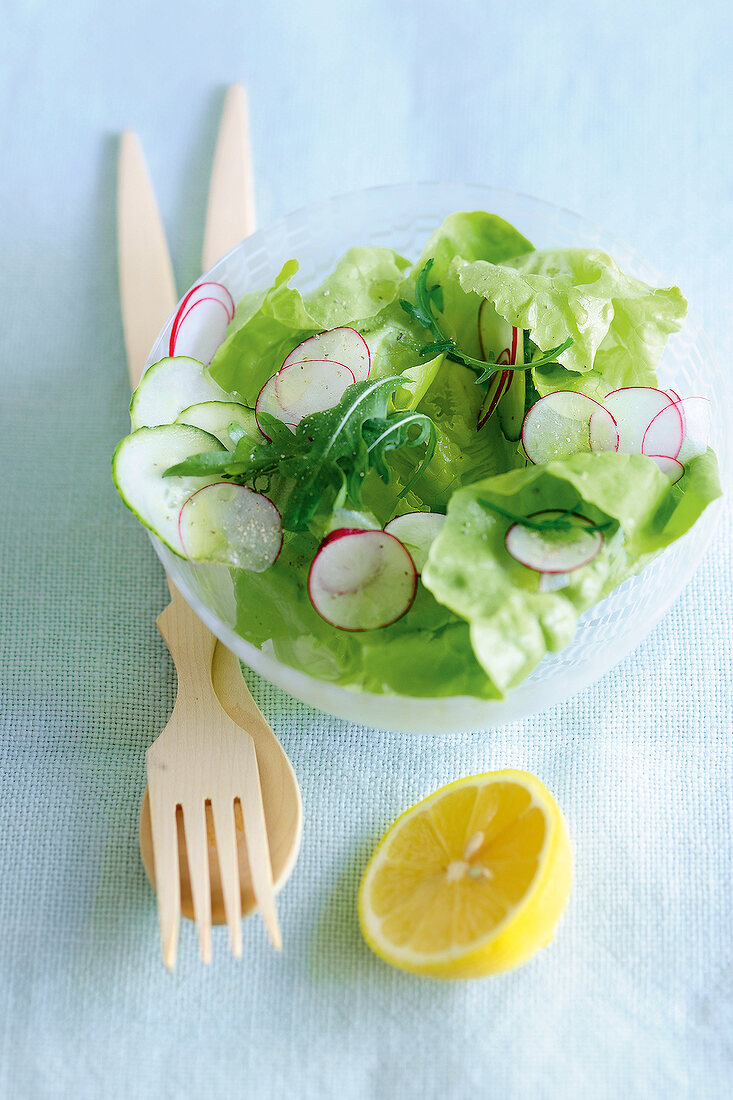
pixel 258 846
pixel 226 847
pixel 194 827
pixel 167 874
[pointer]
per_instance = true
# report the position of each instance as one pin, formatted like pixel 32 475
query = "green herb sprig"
pixel 422 310
pixel 331 451
pixel 561 522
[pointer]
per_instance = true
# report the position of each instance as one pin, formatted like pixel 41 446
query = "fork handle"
pixel 191 645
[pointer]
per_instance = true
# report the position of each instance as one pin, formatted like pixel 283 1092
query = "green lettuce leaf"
pixel 363 283
pixel 619 325
pixel 268 325
pixel 512 623
pixel 472 236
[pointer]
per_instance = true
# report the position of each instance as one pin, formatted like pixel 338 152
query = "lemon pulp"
pixel 470 881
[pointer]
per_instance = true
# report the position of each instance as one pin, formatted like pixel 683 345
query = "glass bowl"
pixel 402 217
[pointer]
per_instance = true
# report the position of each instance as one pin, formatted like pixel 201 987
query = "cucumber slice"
pixel 215 417
pixel 169 387
pixel 138 465
pixel 511 405
pixel 231 524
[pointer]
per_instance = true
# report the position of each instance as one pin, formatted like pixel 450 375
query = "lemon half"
pixel 470 881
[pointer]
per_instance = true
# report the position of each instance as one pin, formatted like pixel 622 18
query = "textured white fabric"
pixel 620 111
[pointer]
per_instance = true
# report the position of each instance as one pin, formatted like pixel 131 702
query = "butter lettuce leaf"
pixel 472 236
pixel 268 325
pixel 513 624
pixel 619 325
pixel 363 283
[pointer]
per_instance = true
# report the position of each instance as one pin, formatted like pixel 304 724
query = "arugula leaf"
pixel 343 443
pixel 538 359
pixel 393 432
pixel 330 450
pixel 422 311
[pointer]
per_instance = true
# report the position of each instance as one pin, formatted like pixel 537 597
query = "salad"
pixel 421 474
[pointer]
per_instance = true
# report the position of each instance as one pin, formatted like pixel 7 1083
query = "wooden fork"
pixel 201 765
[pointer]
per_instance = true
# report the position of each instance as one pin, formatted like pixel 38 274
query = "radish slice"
pixel 209 290
pixel 267 402
pixel 201 330
pixel 669 466
pixel 230 524
pixel 498 386
pixel 633 408
pixel 338 345
pixel 554 551
pixel 361 580
pixel 495 334
pixel 417 532
pixel 342 532
pixel 305 388
pixel 696 422
pixel 664 434
pixel 559 425
pixel 674 395
pixel 602 431
pixel 202 290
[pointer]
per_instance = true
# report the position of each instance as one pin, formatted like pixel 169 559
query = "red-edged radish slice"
pixel 602 431
pixel 696 422
pixel 305 388
pixel 554 551
pixel 342 532
pixel 674 395
pixel 498 386
pixel 362 580
pixel 338 345
pixel 558 425
pixel 664 434
pixel 212 290
pixel 495 334
pixel 633 408
pixel 267 402
pixel 201 330
pixel 230 524
pixel 201 290
pixel 416 531
pixel 669 466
